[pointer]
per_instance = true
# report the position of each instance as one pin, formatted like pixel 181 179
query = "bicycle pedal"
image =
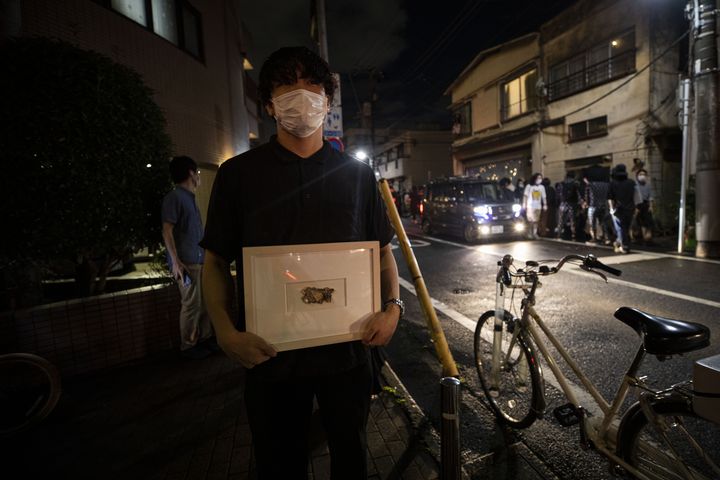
pixel 566 415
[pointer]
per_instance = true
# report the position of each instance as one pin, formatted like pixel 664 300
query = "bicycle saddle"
pixel 664 336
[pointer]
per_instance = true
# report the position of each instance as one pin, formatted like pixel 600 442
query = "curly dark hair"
pixel 180 168
pixel 288 64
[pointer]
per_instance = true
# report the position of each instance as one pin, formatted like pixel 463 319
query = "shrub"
pixel 84 154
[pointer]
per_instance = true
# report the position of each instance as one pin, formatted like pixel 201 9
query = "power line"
pixel 461 19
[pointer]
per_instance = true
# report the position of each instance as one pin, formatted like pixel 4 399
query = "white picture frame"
pixel 276 308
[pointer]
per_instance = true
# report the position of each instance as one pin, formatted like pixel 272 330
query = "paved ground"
pixel 169 418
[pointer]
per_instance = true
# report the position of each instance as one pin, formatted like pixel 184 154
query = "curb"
pixel 418 420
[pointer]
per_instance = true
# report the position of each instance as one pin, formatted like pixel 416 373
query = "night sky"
pixel 419 47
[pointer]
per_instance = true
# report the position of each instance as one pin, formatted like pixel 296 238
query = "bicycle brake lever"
pixel 588 269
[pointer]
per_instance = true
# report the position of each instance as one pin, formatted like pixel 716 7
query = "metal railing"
pixel 596 74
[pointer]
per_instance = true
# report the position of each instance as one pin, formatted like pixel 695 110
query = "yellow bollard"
pixel 438 336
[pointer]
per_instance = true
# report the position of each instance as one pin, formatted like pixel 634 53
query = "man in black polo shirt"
pixel 318 195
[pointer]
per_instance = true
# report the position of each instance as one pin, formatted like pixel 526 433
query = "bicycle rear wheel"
pixel 672 455
pixel 29 391
pixel 513 387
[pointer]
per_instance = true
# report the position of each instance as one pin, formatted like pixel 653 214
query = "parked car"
pixel 471 208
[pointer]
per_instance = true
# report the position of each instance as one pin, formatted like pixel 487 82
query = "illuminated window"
pixel 519 95
pixel 132 9
pixel 165 19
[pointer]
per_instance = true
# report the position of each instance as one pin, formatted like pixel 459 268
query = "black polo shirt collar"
pixel 286 156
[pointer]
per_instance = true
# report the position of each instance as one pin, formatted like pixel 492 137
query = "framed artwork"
pixel 299 296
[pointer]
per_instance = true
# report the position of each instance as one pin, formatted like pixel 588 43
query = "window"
pixel 165 19
pixel 518 95
pixel 478 192
pixel 595 127
pixel 602 63
pixel 191 30
pixel 135 10
pixel 175 20
pixel 462 120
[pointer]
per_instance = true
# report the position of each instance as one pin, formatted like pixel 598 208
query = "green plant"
pixel 84 154
pixel 397 396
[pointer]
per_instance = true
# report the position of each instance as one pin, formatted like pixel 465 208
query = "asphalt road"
pixel 578 307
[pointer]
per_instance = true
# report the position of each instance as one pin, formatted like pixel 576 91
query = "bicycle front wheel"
pixel 29 391
pixel 679 446
pixel 512 381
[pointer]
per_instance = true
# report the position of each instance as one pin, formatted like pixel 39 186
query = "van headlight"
pixel 483 210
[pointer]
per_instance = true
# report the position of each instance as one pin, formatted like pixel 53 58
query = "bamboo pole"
pixel 441 346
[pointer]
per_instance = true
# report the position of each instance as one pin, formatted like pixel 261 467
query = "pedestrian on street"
pixel 569 199
pixel 623 196
pixel 597 211
pixel 507 189
pixel 548 218
pixel 519 190
pixel 414 203
pixel 182 230
pixel 534 202
pixel 324 196
pixel 644 216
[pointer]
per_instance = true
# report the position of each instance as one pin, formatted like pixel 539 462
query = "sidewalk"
pixel 169 418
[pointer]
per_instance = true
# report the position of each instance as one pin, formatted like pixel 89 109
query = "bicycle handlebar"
pixel 595 263
pixel 589 263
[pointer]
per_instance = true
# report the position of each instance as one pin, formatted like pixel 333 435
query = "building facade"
pixel 191 53
pixel 495 111
pixel 595 87
pixel 411 158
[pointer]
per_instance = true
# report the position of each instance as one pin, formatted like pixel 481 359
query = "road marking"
pixel 585 399
pixel 414 243
pixel 488 250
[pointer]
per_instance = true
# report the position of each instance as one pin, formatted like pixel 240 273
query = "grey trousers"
pixel 194 321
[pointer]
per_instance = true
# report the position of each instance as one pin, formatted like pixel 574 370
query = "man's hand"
pixel 246 348
pixel 381 326
pixel 178 269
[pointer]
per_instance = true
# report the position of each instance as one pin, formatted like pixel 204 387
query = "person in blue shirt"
pixel 182 230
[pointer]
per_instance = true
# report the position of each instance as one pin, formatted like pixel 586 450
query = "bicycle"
pixel 660 436
pixel 30 388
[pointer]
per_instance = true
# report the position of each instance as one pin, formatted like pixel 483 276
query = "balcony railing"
pixel 593 75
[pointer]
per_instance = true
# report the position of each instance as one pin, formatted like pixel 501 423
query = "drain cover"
pixel 462 291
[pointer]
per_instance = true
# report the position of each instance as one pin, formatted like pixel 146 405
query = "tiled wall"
pixel 85 335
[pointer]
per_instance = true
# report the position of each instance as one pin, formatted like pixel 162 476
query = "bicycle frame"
pixel 600 431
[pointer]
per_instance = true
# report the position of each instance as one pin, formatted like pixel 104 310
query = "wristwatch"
pixel 395 301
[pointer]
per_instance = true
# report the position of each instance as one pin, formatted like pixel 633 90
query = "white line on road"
pixel 488 250
pixel 582 395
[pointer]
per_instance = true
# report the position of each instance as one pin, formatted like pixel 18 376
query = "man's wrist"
pixel 396 302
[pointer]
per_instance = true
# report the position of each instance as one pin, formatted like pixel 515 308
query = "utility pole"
pixel 322 29
pixel 704 20
pixel 684 100
pixel 373 163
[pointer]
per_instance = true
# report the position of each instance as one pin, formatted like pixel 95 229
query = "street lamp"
pixel 361 155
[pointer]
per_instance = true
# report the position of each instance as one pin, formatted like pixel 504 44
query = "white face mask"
pixel 300 112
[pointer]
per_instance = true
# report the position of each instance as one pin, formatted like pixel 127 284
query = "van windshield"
pixel 482 192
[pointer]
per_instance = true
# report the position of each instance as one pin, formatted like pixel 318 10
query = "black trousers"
pixel 279 416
